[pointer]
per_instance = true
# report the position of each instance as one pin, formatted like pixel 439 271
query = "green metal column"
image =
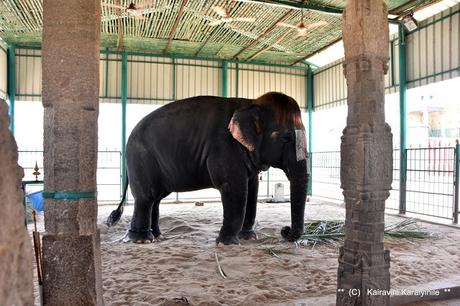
pixel 309 88
pixel 11 84
pixel 403 120
pixel 224 79
pixel 457 183
pixel 124 95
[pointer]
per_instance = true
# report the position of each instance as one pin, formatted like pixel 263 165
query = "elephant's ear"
pixel 245 126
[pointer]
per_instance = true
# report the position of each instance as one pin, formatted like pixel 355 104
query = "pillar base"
pixel 365 280
pixel 77 283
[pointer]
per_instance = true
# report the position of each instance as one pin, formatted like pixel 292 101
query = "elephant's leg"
pixel 234 201
pixel 232 182
pixel 247 232
pixel 140 231
pixel 156 215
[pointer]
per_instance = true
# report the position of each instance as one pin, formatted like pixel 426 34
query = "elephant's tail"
pixel 116 214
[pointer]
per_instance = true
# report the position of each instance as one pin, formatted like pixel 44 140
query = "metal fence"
pixel 431 181
pixel 326 175
pixel 108 172
pixel 109 187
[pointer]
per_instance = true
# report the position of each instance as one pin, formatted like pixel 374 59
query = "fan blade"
pixel 112 5
pixel 220 11
pixel 139 16
pixel 145 4
pixel 135 12
pixel 244 19
pixel 287 25
pixel 301 33
pixel 317 24
pixel 216 22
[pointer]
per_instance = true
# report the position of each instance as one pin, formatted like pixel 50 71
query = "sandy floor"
pixel 182 270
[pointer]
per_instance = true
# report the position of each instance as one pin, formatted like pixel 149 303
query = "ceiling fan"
pixel 136 10
pixel 226 18
pixel 301 28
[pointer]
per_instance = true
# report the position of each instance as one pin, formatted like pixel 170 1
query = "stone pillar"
pixel 366 156
pixel 15 247
pixel 71 247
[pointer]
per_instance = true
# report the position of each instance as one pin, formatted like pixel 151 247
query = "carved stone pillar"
pixel 71 251
pixel 366 156
pixel 15 248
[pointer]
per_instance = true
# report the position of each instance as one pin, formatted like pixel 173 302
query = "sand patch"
pixel 182 269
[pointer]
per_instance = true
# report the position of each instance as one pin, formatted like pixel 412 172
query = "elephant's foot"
pixel 145 236
pixel 156 233
pixel 227 240
pixel 290 235
pixel 247 235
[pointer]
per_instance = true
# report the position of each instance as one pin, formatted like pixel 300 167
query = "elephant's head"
pixel 271 130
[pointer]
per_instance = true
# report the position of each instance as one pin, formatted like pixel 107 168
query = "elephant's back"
pixel 202 112
pixel 204 107
pixel 177 138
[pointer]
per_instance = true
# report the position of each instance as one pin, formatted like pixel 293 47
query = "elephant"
pixel 216 142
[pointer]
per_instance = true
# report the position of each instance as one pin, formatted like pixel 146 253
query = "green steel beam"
pixel 224 79
pixel 211 59
pixel 11 84
pixel 181 56
pixel 428 24
pixel 310 124
pixel 124 95
pixel 310 64
pixel 403 119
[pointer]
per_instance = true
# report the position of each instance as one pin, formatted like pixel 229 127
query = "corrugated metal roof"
pixel 183 27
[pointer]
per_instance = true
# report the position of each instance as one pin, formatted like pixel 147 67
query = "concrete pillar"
pixel 15 247
pixel 366 156
pixel 71 251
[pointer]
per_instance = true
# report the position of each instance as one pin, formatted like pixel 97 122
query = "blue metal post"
pixel 124 95
pixel 457 182
pixel 310 124
pixel 11 84
pixel 224 79
pixel 403 120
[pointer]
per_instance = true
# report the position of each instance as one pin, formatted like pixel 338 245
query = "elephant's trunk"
pixel 297 172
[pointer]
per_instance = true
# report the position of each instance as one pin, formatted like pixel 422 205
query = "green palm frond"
pixel 332 231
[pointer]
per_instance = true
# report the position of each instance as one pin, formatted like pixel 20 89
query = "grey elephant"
pixel 214 142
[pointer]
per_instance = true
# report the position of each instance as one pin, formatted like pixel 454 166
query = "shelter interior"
pixel 156 52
